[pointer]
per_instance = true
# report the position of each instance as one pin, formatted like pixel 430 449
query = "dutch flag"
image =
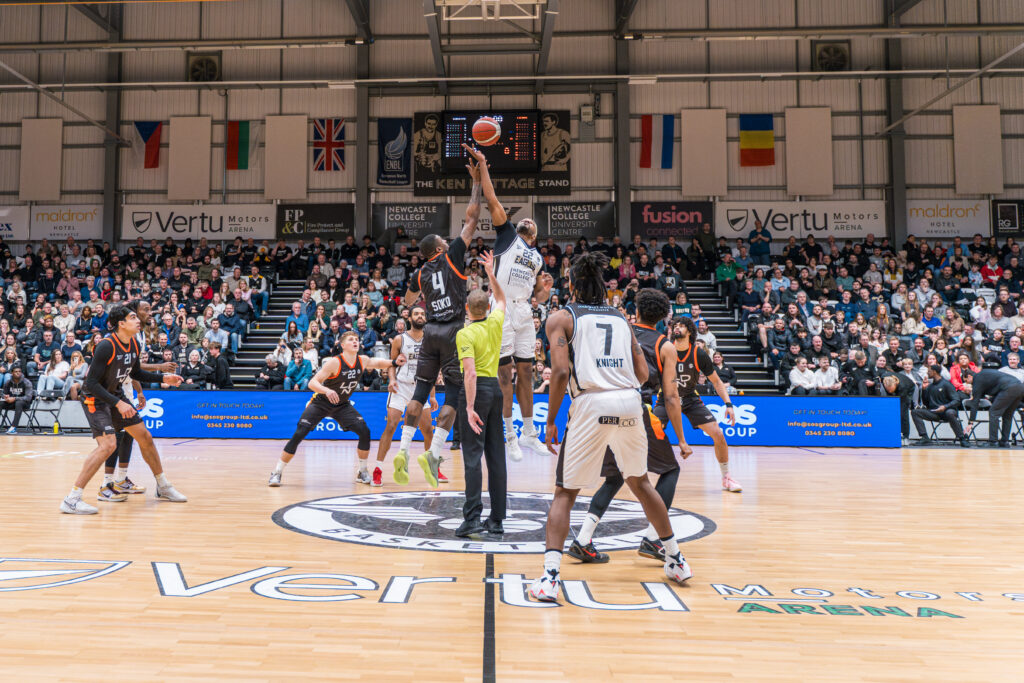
pixel 657 140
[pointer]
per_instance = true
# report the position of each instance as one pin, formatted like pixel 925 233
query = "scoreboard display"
pixel 515 151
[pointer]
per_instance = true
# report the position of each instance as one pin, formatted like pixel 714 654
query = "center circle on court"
pixel 426 520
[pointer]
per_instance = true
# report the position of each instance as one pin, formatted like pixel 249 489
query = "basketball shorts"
pixel 660 458
pixel 438 353
pixel 600 420
pixel 695 411
pixel 344 413
pixel 105 419
pixel 401 397
pixel 517 335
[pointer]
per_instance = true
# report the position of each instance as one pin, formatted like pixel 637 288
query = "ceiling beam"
pixel 489 49
pixel 91 12
pixel 358 10
pixel 430 14
pixel 625 12
pixel 905 6
pixel 547 30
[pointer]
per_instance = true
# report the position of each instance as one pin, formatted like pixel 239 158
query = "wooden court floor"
pixel 839 564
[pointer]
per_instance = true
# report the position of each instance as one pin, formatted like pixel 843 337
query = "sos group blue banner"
pixel 760 420
pixel 393 154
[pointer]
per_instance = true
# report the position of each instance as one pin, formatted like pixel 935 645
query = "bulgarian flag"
pixel 757 140
pixel 242 140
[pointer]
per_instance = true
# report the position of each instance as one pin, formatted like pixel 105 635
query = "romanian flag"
pixel 757 140
pixel 241 143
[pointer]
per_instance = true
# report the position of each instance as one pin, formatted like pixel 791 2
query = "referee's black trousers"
pixel 490 444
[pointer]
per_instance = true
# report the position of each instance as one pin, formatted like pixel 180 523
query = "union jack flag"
pixel 328 144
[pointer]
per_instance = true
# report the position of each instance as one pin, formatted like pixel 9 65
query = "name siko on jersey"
pixel 610 362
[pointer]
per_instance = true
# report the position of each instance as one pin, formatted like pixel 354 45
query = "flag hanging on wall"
pixel 757 140
pixel 242 141
pixel 146 142
pixel 657 140
pixel 328 144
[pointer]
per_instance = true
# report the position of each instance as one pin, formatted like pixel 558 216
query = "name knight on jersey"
pixel 610 362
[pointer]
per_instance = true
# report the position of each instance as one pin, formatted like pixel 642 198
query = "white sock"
pixel 510 427
pixel 161 480
pixel 440 437
pixel 407 434
pixel 362 464
pixel 76 493
pixel 529 429
pixel 725 467
pixel 280 467
pixel 650 534
pixel 107 478
pixel 121 474
pixel 586 534
pixel 552 560
pixel 671 547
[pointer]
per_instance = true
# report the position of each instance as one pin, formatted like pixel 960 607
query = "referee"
pixel 479 345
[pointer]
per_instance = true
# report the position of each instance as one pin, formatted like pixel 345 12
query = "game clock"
pixel 515 151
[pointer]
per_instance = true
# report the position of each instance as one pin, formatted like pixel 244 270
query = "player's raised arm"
pixel 499 295
pixel 640 368
pixel 473 210
pixel 413 295
pixel 329 368
pixel 498 215
pixel 558 329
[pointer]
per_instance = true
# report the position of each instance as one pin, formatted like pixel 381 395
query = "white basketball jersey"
pixel 517 270
pixel 129 391
pixel 600 350
pixel 411 349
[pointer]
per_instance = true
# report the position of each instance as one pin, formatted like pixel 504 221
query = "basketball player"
pixel 117 487
pixel 401 384
pixel 108 411
pixel 691 360
pixel 517 267
pixel 594 352
pixel 426 144
pixel 652 306
pixel 442 284
pixel 332 388
pixel 554 144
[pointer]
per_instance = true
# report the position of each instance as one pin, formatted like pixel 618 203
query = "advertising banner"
pixel 417 220
pixel 14 223
pixel 661 219
pixel 573 220
pixel 61 221
pixel 1008 217
pixel 843 220
pixel 213 221
pixel 393 157
pixel 306 221
pixel 516 212
pixel 760 420
pixel 948 218
pixel 555 161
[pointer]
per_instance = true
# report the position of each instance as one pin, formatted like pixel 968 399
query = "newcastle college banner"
pixel 572 220
pixel 306 221
pixel 393 155
pixel 416 220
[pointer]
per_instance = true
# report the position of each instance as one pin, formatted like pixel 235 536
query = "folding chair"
pixel 1018 428
pixel 51 405
pixel 982 404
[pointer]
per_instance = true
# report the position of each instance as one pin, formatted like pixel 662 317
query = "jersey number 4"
pixel 438 283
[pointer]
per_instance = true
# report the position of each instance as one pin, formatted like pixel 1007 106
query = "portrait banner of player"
pixel 393 151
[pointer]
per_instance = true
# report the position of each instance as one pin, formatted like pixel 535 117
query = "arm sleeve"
pixel 102 355
pixel 704 363
pixel 505 234
pixel 457 254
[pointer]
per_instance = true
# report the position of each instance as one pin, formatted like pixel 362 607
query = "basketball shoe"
pixel 363 477
pixel 730 484
pixel 275 479
pixel 532 443
pixel 430 464
pixel 170 493
pixel 587 553
pixel 441 478
pixel 128 486
pixel 546 587
pixel 378 477
pixel 677 569
pixel 512 447
pixel 109 494
pixel 401 475
pixel 77 506
pixel 652 549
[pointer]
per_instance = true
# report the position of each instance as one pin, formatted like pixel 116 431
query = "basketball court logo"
pixel 27 574
pixel 427 520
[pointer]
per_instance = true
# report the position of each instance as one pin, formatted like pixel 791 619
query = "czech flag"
pixel 757 140
pixel 147 142
pixel 657 136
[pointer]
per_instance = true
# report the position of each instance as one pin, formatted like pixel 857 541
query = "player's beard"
pixel 417 325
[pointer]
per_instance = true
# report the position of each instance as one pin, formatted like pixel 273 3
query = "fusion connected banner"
pixel 760 420
pixel 661 219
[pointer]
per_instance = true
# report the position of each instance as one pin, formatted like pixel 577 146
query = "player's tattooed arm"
pixel 498 215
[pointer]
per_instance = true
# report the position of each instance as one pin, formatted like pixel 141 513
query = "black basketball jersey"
pixel 443 284
pixel 345 381
pixel 651 341
pixel 689 364
pixel 118 369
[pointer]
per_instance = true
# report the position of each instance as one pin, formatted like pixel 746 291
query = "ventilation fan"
pixel 203 67
pixel 830 55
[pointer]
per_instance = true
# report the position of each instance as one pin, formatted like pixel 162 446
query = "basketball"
pixel 486 131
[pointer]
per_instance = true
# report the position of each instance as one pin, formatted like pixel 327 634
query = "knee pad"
pixel 422 391
pixel 363 432
pixel 451 396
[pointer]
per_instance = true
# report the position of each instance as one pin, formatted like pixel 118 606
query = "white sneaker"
pixel 546 587
pixel 275 479
pixel 170 493
pixel 363 477
pixel 77 506
pixel 512 448
pixel 730 484
pixel 532 443
pixel 678 571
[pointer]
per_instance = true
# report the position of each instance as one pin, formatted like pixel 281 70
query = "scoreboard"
pixel 516 151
